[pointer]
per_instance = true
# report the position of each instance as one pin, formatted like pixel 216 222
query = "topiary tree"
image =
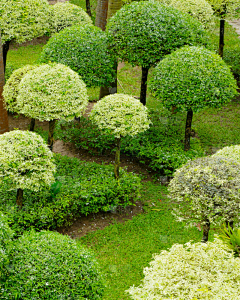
pixel 10 90
pixel 48 265
pixel 142 33
pixel 231 152
pixel 191 271
pixel 224 9
pixel 206 190
pixel 52 92
pixel 198 9
pixel 84 50
pixel 63 15
pixel 191 79
pixel 121 115
pixel 25 162
pixel 22 21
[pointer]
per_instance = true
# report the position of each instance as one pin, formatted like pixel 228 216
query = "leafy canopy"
pixel 25 161
pixel 226 8
pixel 121 115
pixel 52 92
pixel 23 20
pixel 143 32
pixel 193 77
pixel 85 50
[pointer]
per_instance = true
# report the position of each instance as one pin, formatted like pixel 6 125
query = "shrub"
pixel 11 88
pixel 48 265
pixel 191 271
pixel 122 115
pixel 85 50
pixel 191 79
pixel 232 58
pixel 206 190
pixel 163 30
pixel 63 15
pixel 231 238
pixel 231 152
pixel 85 188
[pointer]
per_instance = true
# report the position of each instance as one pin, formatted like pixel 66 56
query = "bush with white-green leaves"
pixel 52 92
pixel 191 272
pixel 23 20
pixel 206 191
pixel 25 161
pixel 85 50
pixel 226 8
pixel 198 9
pixel 49 265
pixel 63 15
pixel 232 152
pixel 121 115
pixel 11 88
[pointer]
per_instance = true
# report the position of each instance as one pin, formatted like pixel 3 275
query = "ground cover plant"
pixel 83 188
pixel 48 265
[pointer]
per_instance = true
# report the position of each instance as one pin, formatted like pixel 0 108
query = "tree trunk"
pixel 206 228
pixel 19 198
pixel 32 125
pixel 113 6
pixel 52 124
pixel 3 109
pixel 101 14
pixel 88 8
pixel 143 93
pixel 188 130
pixel 117 159
pixel 221 38
pixel 5 48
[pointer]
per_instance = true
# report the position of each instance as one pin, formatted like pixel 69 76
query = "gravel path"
pixel 235 24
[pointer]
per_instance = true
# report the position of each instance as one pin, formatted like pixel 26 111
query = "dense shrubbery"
pixel 48 265
pixel 85 188
pixel 160 146
pixel 232 58
pixel 191 271
pixel 232 152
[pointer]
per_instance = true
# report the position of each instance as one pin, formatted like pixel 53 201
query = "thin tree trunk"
pixel 101 14
pixel 206 228
pixel 32 125
pixel 3 109
pixel 117 159
pixel 20 198
pixel 221 38
pixel 188 130
pixel 88 8
pixel 52 124
pixel 5 48
pixel 143 93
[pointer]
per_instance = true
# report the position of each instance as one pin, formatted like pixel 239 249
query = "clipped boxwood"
pixel 85 188
pixel 84 50
pixel 48 265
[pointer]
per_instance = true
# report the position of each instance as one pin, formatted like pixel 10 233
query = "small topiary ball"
pixel 231 152
pixel 85 50
pixel 121 114
pixel 11 88
pixel 25 161
pixel 191 271
pixel 193 78
pixel 23 20
pixel 207 188
pixel 48 265
pixel 52 92
pixel 63 15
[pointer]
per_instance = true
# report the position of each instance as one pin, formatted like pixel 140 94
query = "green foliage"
pixel 193 78
pixel 160 146
pixel 226 8
pixel 143 32
pixel 85 50
pixel 231 152
pixel 48 265
pixel 63 15
pixel 231 237
pixel 85 188
pixel 207 189
pixel 23 20
pixel 231 56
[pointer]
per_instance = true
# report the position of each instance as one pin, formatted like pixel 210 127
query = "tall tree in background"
pixel 105 10
pixel 3 110
pixel 224 9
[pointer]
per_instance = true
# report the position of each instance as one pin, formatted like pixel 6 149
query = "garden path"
pixel 236 25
